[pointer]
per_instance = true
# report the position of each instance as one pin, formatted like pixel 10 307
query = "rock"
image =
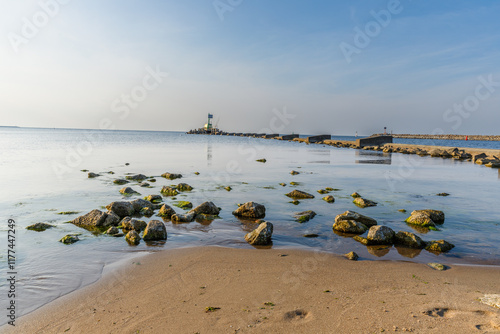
pixel 152 180
pixel 493 164
pixel 491 300
pixel 282 184
pixel 185 218
pixel 155 230
pixel 355 195
pixel 293 183
pixel 311 235
pixel 408 239
pixel 350 226
pixel 139 203
pixel 120 181
pixel 133 237
pixel 171 176
pixel 437 266
pixel 295 202
pixel 154 198
pixel 184 187
pixel 196 173
pixel 128 191
pixel 304 216
pixel 362 240
pixel 136 177
pixel 166 211
pixel 439 246
pixel 352 256
pixel 402 210
pixel 351 215
pixel 129 223
pixel 479 156
pixel 146 211
pixel 381 235
pixel 443 194
pixel 207 208
pixel 184 205
pixel 144 185
pixel 250 210
pixel 69 239
pixel 261 160
pixel 426 218
pixel 122 209
pixel 299 194
pixel 39 227
pixel 112 230
pixel 228 188
pixel 363 203
pixel 329 199
pixel 168 191
pixel 92 175
pixel 112 219
pixel 294 172
pixel 93 219
pixel 261 235
pixel 323 191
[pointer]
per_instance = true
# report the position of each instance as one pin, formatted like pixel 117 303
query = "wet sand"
pixel 272 291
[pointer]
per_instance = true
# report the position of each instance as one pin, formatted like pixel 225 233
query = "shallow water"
pixel 41 176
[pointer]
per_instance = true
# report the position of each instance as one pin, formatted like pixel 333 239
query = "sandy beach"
pixel 223 290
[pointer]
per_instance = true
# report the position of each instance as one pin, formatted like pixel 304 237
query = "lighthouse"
pixel 208 126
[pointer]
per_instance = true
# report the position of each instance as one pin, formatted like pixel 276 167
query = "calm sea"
pixel 41 176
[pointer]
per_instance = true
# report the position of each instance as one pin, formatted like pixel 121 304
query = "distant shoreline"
pixel 449 137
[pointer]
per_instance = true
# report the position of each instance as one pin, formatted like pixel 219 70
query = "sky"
pixel 314 67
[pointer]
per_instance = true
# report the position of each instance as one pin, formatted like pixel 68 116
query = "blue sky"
pixel 263 57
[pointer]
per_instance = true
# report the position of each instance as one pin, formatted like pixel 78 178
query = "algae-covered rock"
pixel 112 219
pixel 351 215
pixel 250 210
pixel 329 199
pixel 171 176
pixel 166 211
pixel 122 209
pixel 139 203
pixel 299 194
pixel 283 184
pixel 128 191
pixel 93 219
pixel 185 218
pixel 92 175
pixel 147 211
pixel 39 227
pixel 439 246
pixel 169 191
pixel 426 218
pixel 120 181
pixel 133 237
pixel 323 191
pixel 129 224
pixel 208 208
pixel 154 198
pixel 355 195
pixel 381 235
pixel 262 235
pixel 184 187
pixel 304 216
pixel 363 240
pixel 408 239
pixel 112 230
pixel 294 172
pixel 144 185
pixel 228 188
pixel 183 205
pixel 155 230
pixel 363 202
pixel 261 160
pixel 437 266
pixel 69 239
pixel 350 226
pixel 136 177
pixel 293 183
pixel 352 256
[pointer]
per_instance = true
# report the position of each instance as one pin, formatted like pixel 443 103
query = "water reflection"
pixel 373 157
pixel 378 251
pixel 408 252
pixel 209 154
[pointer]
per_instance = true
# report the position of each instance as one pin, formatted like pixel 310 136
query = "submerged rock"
pixel 443 194
pixel 352 256
pixel 184 205
pixel 311 235
pixel 262 235
pixel 155 230
pixel 351 215
pixel 92 175
pixel 128 191
pixel 408 239
pixel 261 160
pixel 136 177
pixel 69 239
pixel 122 209
pixel 39 227
pixel 169 191
pixel 184 187
pixel 381 235
pixel 207 208
pixel 250 210
pixel 363 202
pixel 166 211
pixel 294 172
pixel 304 216
pixel 171 176
pixel 133 238
pixel 329 199
pixel 120 181
pixel 299 194
pixel 439 246
pixel 323 191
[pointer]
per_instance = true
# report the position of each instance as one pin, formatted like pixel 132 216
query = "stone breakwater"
pixel 448 137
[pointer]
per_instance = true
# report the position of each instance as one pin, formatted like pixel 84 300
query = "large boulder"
pixel 363 202
pixel 155 230
pixel 351 215
pixel 112 219
pixel 426 218
pixel 439 246
pixel 350 226
pixel 93 219
pixel 129 224
pixel 166 211
pixel 250 210
pixel 381 235
pixel 261 235
pixel 408 239
pixel 206 208
pixel 299 194
pixel 122 209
